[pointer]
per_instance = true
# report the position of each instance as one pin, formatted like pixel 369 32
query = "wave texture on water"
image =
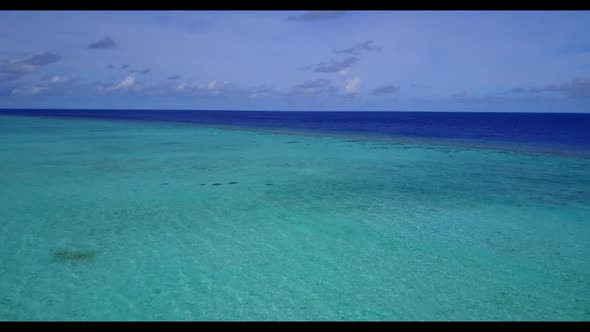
pixel 130 220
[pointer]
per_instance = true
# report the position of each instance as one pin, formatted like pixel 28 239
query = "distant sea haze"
pixel 557 132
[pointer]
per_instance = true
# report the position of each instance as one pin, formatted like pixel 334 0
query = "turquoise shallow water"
pixel 108 220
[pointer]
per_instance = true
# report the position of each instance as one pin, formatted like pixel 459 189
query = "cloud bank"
pixel 14 69
pixel 576 88
pixel 318 15
pixel 335 66
pixel 104 43
pixel 357 49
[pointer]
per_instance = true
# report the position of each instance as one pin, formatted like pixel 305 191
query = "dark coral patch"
pixel 269 184
pixel 74 256
pixel 202 184
pixel 216 184
pixel 231 182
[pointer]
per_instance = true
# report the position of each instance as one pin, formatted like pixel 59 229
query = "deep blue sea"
pixel 553 131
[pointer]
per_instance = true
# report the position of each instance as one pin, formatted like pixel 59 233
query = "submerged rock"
pixel 216 184
pixel 74 256
pixel 231 182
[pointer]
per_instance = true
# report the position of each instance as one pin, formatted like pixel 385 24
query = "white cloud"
pixel 58 79
pixel 353 85
pixel 35 90
pixel 181 86
pixel 211 88
pixel 21 68
pixel 128 83
pixel 38 89
pixel 48 84
pixel 216 88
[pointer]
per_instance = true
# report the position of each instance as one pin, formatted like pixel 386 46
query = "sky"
pixel 480 61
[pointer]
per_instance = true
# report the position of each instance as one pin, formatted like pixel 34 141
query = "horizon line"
pixel 229 110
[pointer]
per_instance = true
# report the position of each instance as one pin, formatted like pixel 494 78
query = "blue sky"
pixel 294 60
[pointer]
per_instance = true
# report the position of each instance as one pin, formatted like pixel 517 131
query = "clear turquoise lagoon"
pixel 115 220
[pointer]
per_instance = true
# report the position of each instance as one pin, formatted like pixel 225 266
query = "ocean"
pixel 215 215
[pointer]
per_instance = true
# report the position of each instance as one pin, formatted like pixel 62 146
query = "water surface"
pixel 121 220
